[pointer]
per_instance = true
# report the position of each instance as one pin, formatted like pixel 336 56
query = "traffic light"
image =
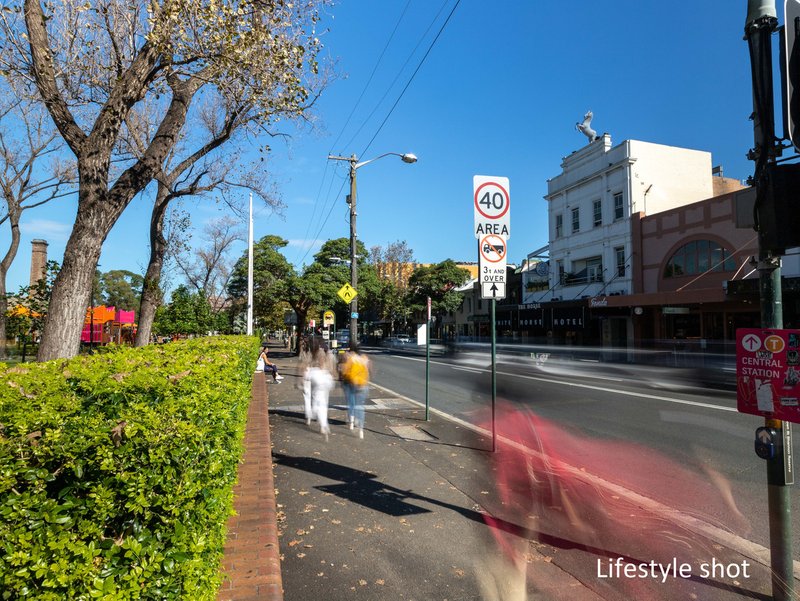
pixel 791 71
pixel 777 201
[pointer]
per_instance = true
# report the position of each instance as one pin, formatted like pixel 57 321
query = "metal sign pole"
pixel 494 375
pixel 428 363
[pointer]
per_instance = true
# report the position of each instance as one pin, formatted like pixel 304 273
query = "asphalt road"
pixel 685 448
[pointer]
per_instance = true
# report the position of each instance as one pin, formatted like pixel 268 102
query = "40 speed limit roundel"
pixel 492 204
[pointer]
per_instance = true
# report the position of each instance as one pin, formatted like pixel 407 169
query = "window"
pixel 598 213
pixel 559 226
pixel 699 256
pixel 619 255
pixel 560 271
pixel 585 271
pixel 576 220
pixel 618 209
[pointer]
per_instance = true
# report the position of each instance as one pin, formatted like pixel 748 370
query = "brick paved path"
pixel 251 563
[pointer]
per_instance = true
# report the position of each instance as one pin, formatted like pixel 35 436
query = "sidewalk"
pixel 399 515
pixel 394 516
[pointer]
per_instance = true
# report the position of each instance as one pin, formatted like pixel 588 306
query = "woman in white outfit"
pixel 321 384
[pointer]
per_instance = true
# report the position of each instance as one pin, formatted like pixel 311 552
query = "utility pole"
pixel 351 200
pixel 353 252
pixel 250 270
pixel 761 23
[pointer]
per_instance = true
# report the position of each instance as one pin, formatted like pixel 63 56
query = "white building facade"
pixel 591 202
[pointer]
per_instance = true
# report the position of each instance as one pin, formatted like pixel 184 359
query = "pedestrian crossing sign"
pixel 347 293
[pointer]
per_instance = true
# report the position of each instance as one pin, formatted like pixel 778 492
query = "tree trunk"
pixel 4 266
pixel 72 288
pixel 151 292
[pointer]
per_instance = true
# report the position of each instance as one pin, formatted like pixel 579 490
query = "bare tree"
pixel 393 263
pixel 30 176
pixel 195 174
pixel 92 62
pixel 208 268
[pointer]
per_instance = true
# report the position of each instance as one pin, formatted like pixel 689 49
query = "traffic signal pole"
pixel 761 23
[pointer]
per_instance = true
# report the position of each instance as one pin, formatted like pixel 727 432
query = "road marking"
pixel 640 395
pixel 473 370
pixel 741 545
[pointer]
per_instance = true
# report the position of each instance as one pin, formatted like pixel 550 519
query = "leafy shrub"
pixel 116 471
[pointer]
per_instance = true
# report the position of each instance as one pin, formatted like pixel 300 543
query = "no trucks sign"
pixel 768 373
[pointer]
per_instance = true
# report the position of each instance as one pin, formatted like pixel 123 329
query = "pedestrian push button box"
pixel 766 442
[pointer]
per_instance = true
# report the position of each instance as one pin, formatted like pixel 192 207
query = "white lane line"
pixel 470 369
pixel 737 543
pixel 641 395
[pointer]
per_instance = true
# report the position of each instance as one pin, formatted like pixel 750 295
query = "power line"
pixel 397 77
pixel 389 114
pixel 441 29
pixel 347 122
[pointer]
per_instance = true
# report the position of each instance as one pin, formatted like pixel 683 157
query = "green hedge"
pixel 116 471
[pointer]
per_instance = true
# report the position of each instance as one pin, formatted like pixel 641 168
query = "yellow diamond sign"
pixel 347 293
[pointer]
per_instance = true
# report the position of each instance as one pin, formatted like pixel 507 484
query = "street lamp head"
pixel 409 158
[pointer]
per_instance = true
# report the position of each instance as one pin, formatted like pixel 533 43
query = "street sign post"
pixel 491 201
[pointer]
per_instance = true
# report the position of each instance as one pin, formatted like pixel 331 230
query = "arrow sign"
pixel 347 293
pixel 494 290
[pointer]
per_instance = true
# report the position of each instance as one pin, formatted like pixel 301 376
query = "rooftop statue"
pixel 585 127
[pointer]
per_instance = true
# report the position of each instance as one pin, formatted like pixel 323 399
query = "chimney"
pixel 38 260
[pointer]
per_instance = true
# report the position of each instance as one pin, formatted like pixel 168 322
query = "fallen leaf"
pixel 292 543
pixel 301 555
pixel 362 582
pixel 380 581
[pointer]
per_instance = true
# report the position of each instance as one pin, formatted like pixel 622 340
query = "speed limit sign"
pixel 492 203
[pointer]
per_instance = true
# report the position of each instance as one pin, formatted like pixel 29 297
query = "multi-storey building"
pixel 591 204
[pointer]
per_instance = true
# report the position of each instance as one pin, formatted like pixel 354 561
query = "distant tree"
pixel 121 289
pixel 271 273
pixel 31 305
pixel 437 282
pixel 393 263
pixel 187 313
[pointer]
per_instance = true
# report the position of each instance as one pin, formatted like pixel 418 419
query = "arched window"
pixel 699 256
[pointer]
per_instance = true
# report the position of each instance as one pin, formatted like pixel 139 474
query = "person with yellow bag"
pixel 355 377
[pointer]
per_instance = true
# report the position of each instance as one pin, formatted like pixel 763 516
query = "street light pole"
pixel 353 257
pixel 354 165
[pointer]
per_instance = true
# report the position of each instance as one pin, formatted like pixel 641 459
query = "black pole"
pixel 761 23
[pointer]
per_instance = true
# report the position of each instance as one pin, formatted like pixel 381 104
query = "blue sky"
pixel 498 94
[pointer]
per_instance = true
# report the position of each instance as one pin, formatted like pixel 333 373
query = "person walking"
pixel 267 365
pixel 319 374
pixel 355 374
pixel 305 366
